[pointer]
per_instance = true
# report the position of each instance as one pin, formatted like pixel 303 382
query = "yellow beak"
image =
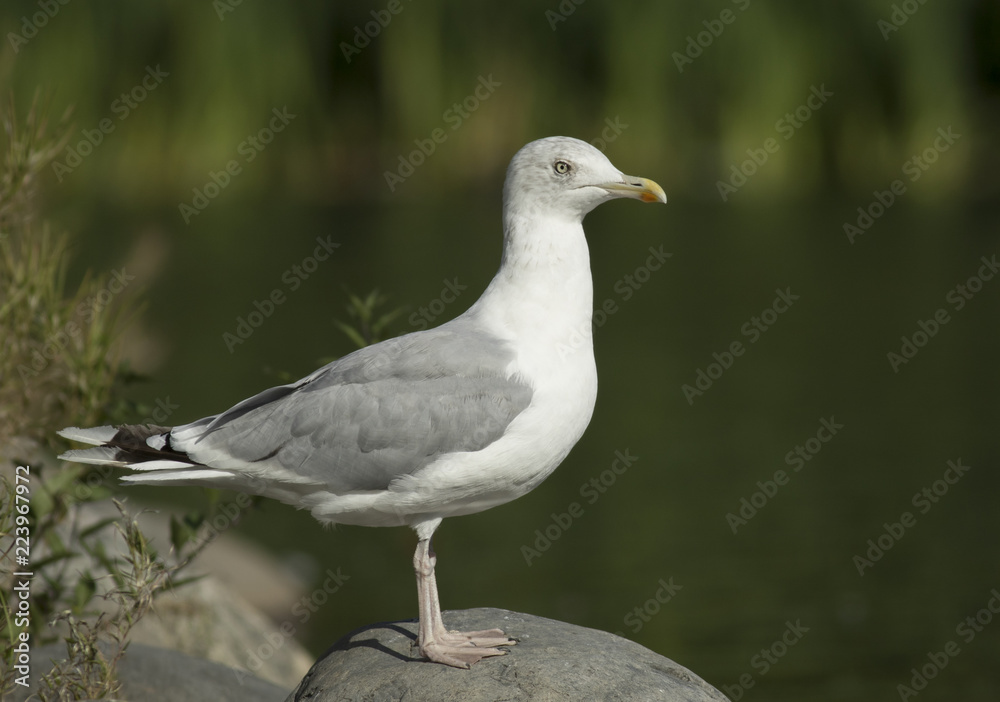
pixel 638 188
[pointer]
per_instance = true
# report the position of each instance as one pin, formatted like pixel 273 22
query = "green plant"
pixel 366 328
pixel 57 357
pixel 138 576
pixel 59 367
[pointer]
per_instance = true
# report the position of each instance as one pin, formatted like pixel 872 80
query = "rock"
pixel 207 620
pixel 242 606
pixel 552 661
pixel 238 612
pixel 151 674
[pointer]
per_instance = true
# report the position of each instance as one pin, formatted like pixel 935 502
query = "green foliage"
pixel 57 363
pixel 356 114
pixel 79 569
pixel 96 644
pixel 367 327
pixel 58 367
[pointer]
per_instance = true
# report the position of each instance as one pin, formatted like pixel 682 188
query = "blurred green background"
pixel 675 92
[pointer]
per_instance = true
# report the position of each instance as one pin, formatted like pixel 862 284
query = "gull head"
pixel 567 178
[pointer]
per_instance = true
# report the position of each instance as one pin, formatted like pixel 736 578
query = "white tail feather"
pixel 94 436
pixel 162 464
pixel 188 477
pixel 99 456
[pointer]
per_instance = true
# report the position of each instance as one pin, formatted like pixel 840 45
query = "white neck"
pixel 542 297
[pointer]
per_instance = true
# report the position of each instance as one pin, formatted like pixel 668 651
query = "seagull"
pixel 437 423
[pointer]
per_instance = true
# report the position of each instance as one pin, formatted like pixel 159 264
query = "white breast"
pixel 541 301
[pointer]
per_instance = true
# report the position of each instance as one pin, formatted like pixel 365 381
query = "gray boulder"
pixel 151 674
pixel 552 661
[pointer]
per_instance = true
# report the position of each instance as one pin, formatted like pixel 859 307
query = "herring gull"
pixel 433 424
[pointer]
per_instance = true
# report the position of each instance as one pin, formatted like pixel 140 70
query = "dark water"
pixel 639 510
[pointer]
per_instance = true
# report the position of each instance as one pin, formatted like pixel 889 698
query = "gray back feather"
pixel 379 413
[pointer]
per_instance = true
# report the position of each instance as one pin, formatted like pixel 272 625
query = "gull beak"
pixel 639 188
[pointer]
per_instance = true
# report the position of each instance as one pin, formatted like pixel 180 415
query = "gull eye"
pixel 561 167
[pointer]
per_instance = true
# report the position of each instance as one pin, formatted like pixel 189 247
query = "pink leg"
pixel 455 648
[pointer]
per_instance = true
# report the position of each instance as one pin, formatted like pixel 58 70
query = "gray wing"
pixel 379 413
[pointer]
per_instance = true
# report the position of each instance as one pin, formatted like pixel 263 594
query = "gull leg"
pixel 493 637
pixel 454 648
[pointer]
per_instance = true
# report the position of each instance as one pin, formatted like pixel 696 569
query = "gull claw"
pixel 463 649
